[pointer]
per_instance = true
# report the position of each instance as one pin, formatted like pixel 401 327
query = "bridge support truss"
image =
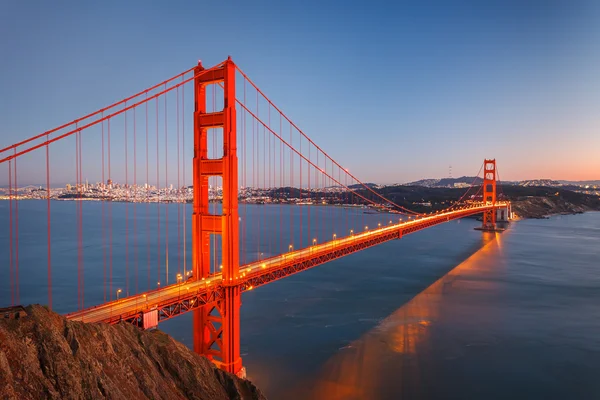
pixel 217 325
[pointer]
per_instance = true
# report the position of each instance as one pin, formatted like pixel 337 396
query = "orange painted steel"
pixel 217 325
pixel 193 295
pixel 489 193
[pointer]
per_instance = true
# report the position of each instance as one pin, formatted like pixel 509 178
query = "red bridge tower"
pixel 217 326
pixel 489 193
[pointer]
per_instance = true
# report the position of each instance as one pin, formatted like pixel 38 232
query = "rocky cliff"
pixel 543 206
pixel 44 356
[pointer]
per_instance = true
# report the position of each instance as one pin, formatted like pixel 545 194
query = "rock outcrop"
pixel 544 206
pixel 45 356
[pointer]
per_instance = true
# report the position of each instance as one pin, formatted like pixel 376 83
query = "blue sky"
pixel 396 91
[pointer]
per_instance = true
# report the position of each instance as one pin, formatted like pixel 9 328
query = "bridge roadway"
pixel 182 297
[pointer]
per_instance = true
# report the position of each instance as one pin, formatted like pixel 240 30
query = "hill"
pixel 45 356
pixel 446 182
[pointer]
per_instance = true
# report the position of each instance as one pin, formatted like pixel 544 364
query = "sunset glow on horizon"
pixel 454 83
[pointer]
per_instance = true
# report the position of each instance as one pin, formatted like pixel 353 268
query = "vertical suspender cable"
pixel 48 217
pixel 269 184
pixel 103 219
pixel 81 222
pixel 280 186
pixel 244 179
pixel 300 193
pixel 147 204
pixel 77 202
pixel 309 196
pixel 167 199
pixel 178 189
pixel 110 220
pixel 157 201
pixel 184 184
pixel 317 209
pixel 291 188
pixel 255 173
pixel 264 211
pixel 135 200
pixel 127 189
pixel 10 224
pixel 16 185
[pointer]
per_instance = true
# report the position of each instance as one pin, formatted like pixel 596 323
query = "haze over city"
pixel 411 87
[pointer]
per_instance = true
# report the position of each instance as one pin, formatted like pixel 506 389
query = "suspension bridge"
pixel 256 178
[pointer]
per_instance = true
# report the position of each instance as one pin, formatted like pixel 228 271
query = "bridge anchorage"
pixel 277 162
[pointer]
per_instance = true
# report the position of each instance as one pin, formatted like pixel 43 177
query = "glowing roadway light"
pixel 158 283
pixel 264 266
pixel 179 278
pixel 352 231
pixel 314 241
pixel 334 236
pixel 221 266
pixel 291 247
pixel 118 292
pixel 379 225
pixel 366 228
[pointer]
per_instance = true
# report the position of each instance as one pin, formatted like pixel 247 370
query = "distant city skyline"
pixel 395 92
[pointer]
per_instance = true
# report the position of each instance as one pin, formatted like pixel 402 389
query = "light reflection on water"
pixel 359 370
pixel 519 318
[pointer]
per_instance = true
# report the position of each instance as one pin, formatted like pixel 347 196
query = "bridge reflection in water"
pixel 387 362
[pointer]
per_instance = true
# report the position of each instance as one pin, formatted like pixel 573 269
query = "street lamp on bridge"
pixel 118 292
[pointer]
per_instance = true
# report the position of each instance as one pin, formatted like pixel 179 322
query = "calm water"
pixel 447 313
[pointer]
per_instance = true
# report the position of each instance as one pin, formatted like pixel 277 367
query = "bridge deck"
pixel 182 297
